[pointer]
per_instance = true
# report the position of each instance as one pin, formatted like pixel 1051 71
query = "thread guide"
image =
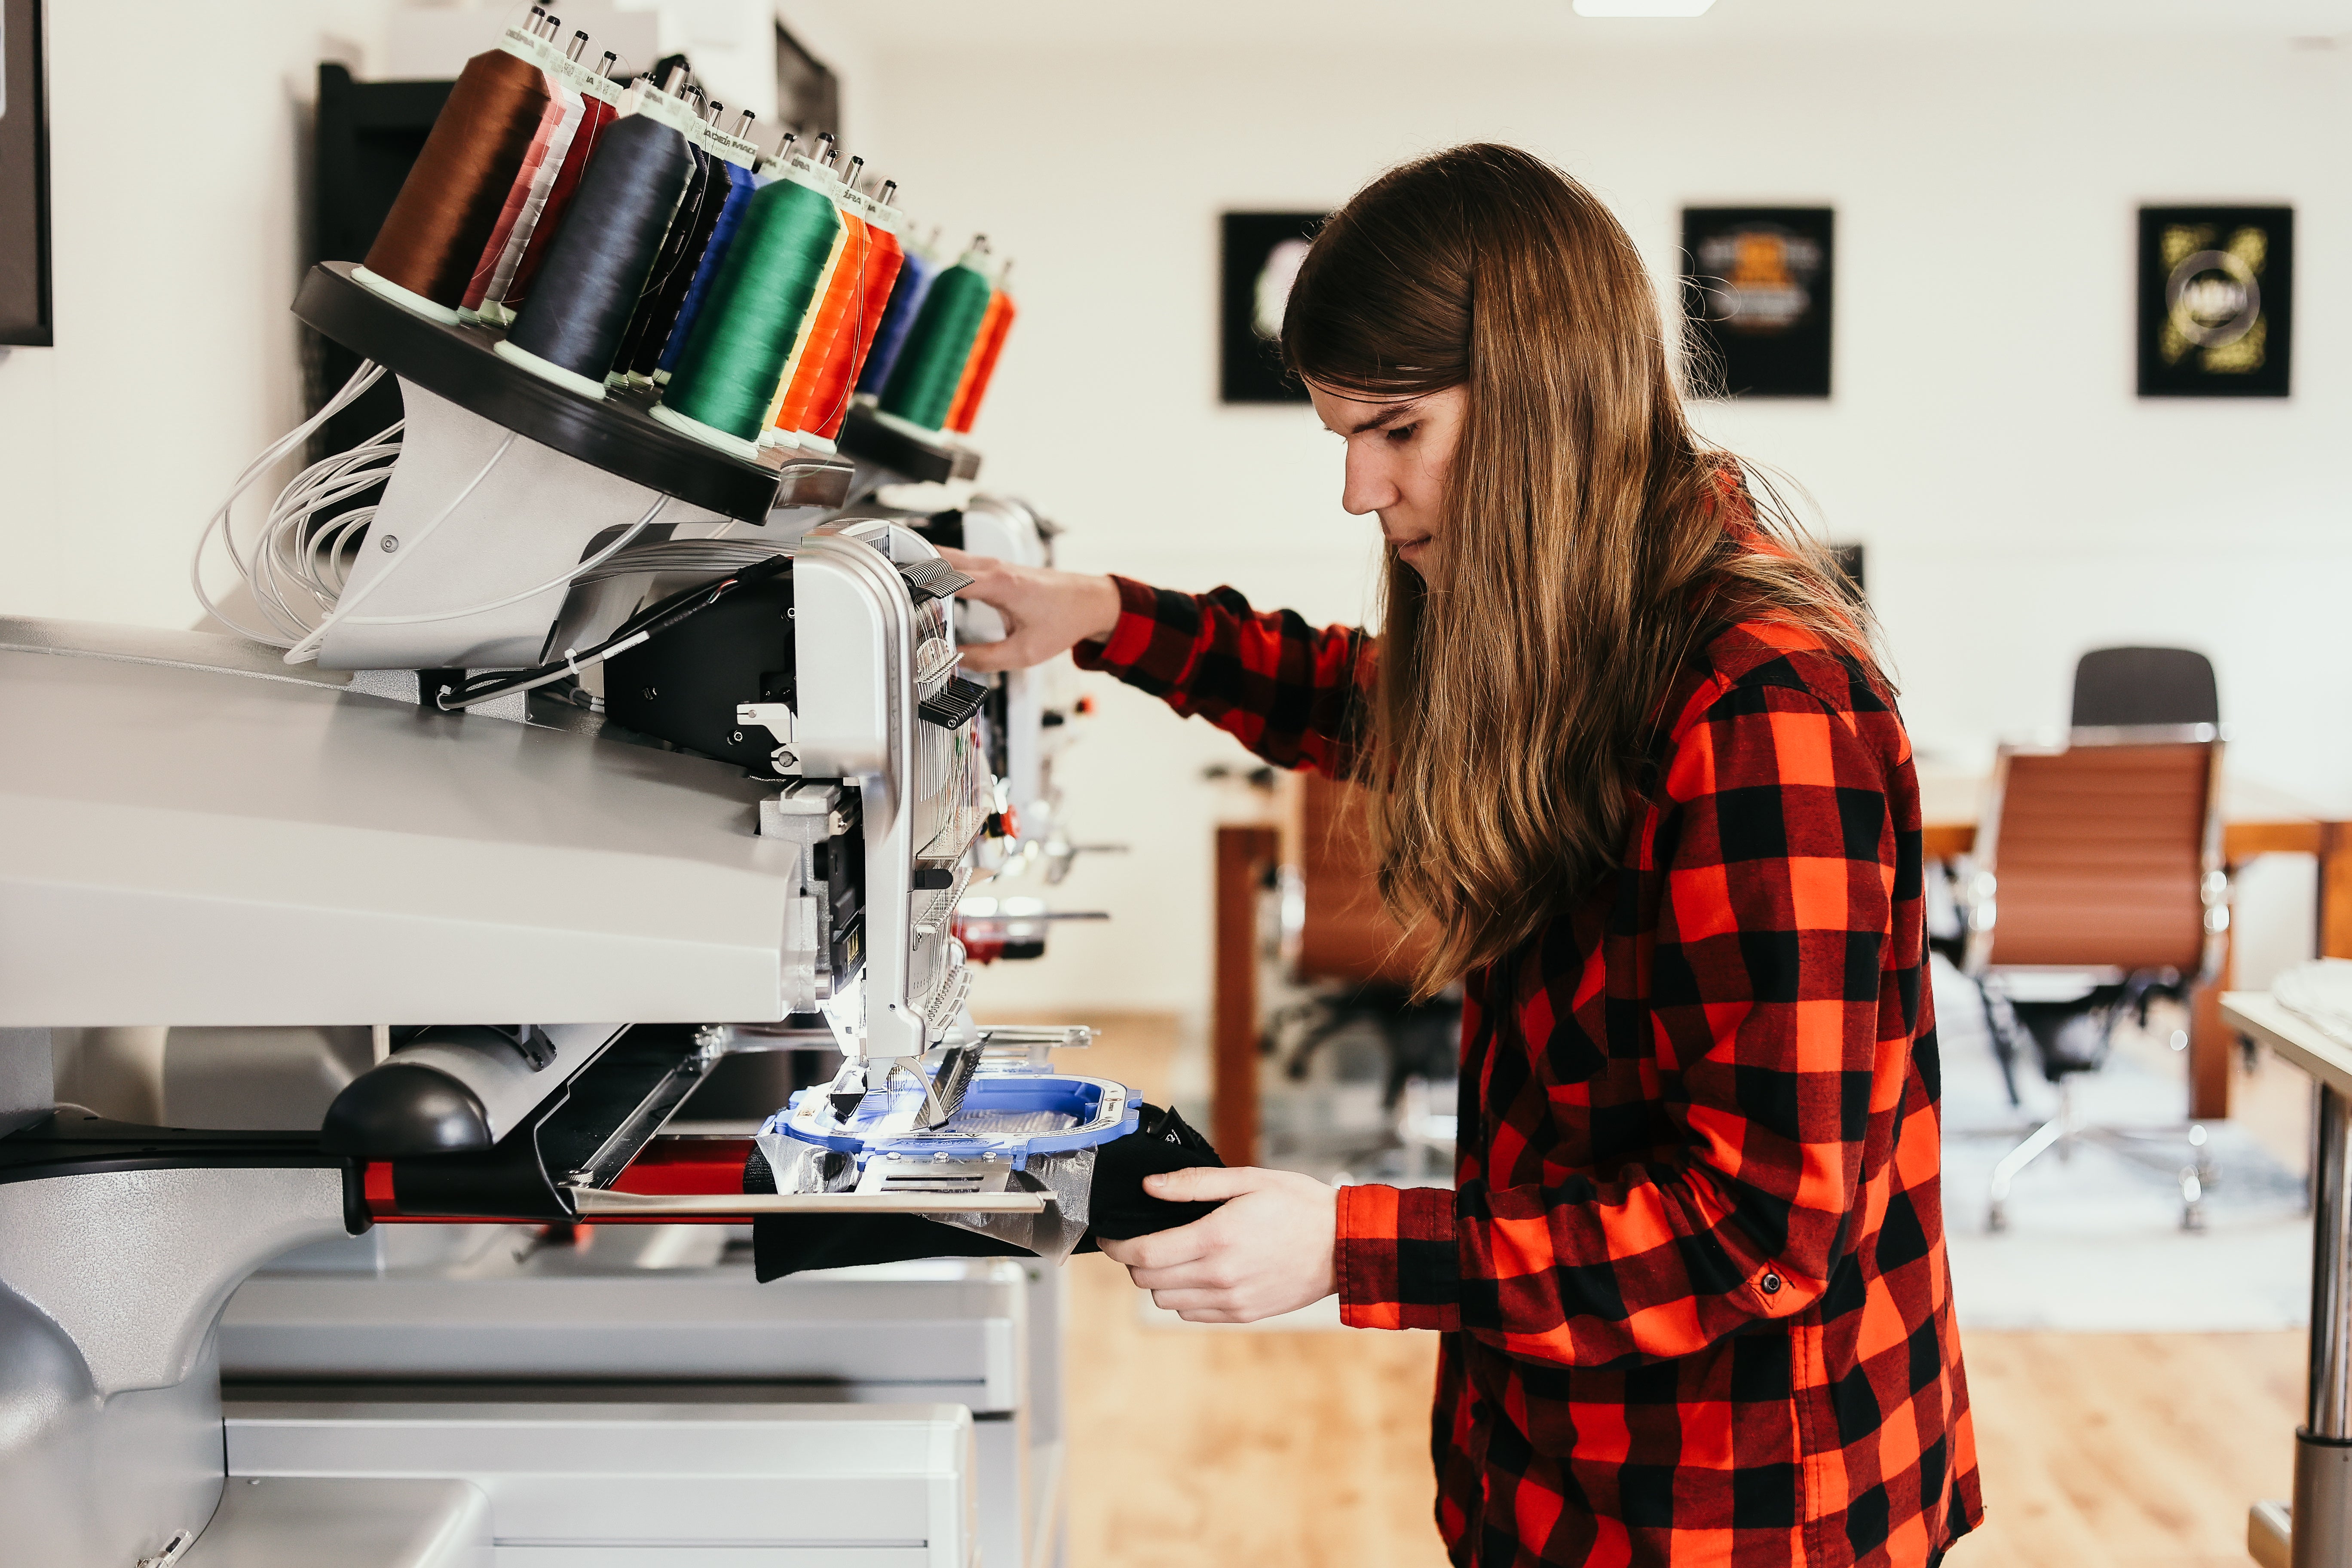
pixel 614 435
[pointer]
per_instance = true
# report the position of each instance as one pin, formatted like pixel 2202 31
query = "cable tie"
pixel 571 662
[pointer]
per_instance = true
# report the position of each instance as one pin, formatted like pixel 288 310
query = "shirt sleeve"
pixel 1781 1052
pixel 1290 693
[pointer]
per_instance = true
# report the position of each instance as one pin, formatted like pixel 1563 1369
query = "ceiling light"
pixel 1641 7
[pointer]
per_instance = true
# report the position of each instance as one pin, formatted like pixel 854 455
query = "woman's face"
pixel 1398 456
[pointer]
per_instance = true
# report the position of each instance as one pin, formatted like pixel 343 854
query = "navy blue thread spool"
pixel 580 308
pixel 649 330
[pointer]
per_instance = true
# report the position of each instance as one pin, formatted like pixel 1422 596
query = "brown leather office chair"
pixel 2097 876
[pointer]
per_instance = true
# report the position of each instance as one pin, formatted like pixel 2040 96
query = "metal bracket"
pixel 531 1043
pixel 775 717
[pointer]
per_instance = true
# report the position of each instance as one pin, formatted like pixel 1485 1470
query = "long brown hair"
pixel 1589 537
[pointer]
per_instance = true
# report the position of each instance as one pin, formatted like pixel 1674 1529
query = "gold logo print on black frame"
pixel 1757 293
pixel 2216 301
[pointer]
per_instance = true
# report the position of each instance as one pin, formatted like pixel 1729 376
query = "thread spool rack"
pixel 614 434
pixel 504 479
pixel 874 438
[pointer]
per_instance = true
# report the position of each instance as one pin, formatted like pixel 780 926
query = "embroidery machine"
pixel 732 800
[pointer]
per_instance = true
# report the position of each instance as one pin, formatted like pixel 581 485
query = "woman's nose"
pixel 1368 486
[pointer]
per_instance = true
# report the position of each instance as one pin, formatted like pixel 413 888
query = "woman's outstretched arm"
pixel 1291 692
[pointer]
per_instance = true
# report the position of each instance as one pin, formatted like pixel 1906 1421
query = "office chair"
pixel 2128 686
pixel 2113 687
pixel 2097 880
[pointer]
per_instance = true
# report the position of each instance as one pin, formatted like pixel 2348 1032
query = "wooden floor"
pixel 1211 1449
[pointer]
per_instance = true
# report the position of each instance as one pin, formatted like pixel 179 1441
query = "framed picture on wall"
pixel 1757 288
pixel 1260 256
pixel 2216 301
pixel 24 317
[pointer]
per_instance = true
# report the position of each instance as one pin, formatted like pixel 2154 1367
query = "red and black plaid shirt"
pixel 1690 1278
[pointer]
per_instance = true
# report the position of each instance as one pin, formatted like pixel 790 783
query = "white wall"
pixel 2019 503
pixel 177 134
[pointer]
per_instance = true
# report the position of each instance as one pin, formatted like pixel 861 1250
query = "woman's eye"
pixel 1398 434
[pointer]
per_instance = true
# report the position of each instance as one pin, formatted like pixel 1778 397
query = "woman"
pixel 1635 773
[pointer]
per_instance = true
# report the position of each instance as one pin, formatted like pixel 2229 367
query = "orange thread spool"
pixel 452 198
pixel 996 308
pixel 834 316
pixel 985 346
pixel 984 366
pixel 884 257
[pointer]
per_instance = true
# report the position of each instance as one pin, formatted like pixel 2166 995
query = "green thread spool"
pixel 923 385
pixel 735 353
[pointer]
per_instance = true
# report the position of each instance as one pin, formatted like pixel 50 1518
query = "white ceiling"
pixel 1250 24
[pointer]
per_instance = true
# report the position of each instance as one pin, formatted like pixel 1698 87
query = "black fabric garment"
pixel 1118 1206
pixel 785 1244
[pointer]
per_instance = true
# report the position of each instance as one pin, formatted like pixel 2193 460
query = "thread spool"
pixel 923 385
pixel 662 322
pixel 915 275
pixel 972 357
pixel 744 184
pixel 645 357
pixel 596 271
pixel 984 355
pixel 833 335
pixel 598 115
pixel 828 405
pixel 816 167
pixel 423 255
pixel 527 199
pixel 822 306
pixel 734 356
pixel 686 224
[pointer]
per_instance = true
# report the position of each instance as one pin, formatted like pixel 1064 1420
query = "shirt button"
pixel 1771 1283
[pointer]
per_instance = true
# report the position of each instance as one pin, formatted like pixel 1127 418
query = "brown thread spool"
pixel 452 198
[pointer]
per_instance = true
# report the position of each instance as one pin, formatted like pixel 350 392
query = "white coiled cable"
pixel 297 571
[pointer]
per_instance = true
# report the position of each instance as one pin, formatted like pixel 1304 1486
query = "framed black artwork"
pixel 808 93
pixel 24 316
pixel 1757 288
pixel 2216 301
pixel 1262 253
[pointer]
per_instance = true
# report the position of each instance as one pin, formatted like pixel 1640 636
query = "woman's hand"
pixel 1045 611
pixel 1268 1251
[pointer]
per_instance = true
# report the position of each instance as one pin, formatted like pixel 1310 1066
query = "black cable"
pixel 644 626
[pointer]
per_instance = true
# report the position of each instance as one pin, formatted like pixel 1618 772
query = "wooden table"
pixel 2317 1532
pixel 2256 820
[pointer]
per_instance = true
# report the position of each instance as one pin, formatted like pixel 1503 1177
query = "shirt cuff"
pixel 1396 1259
pixel 1138 618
